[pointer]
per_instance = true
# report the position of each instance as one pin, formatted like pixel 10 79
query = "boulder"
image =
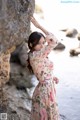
pixel 20 55
pixel 78 36
pixel 14 31
pixel 60 46
pixel 75 52
pixel 21 77
pixel 71 32
pixel 14 22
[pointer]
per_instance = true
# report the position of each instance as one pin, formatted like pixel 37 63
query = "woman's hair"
pixel 32 42
pixel 34 39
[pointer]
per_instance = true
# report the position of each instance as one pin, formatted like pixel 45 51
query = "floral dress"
pixel 44 105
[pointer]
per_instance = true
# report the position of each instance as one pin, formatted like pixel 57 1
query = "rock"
pixel 4 68
pixel 23 54
pixel 60 46
pixel 14 22
pixel 20 55
pixel 75 52
pixel 14 31
pixel 19 106
pixel 21 77
pixel 64 30
pixel 16 103
pixel 78 36
pixel 3 101
pixel 71 32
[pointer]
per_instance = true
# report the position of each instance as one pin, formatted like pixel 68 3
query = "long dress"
pixel 44 106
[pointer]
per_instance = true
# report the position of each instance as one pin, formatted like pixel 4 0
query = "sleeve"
pixel 51 44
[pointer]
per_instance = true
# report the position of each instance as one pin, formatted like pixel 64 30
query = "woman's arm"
pixel 36 24
pixel 50 38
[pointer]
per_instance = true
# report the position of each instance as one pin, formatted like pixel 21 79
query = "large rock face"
pixel 14 22
pixel 14 29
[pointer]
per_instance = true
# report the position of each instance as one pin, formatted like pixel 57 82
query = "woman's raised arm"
pixel 37 25
pixel 50 38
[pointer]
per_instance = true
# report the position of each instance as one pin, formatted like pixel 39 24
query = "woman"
pixel 44 105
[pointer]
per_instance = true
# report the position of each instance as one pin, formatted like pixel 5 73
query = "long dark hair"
pixel 32 42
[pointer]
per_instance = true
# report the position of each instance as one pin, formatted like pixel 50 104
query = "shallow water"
pixel 67 69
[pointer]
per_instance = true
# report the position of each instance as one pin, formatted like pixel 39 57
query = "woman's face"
pixel 40 45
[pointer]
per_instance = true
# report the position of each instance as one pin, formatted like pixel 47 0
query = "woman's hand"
pixel 51 39
pixel 56 80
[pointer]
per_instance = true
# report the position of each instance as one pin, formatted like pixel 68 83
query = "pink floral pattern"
pixel 44 105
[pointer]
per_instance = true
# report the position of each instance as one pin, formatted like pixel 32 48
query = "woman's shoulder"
pixel 33 54
pixel 36 56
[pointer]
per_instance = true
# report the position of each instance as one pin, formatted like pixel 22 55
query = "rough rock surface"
pixel 14 22
pixel 14 31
